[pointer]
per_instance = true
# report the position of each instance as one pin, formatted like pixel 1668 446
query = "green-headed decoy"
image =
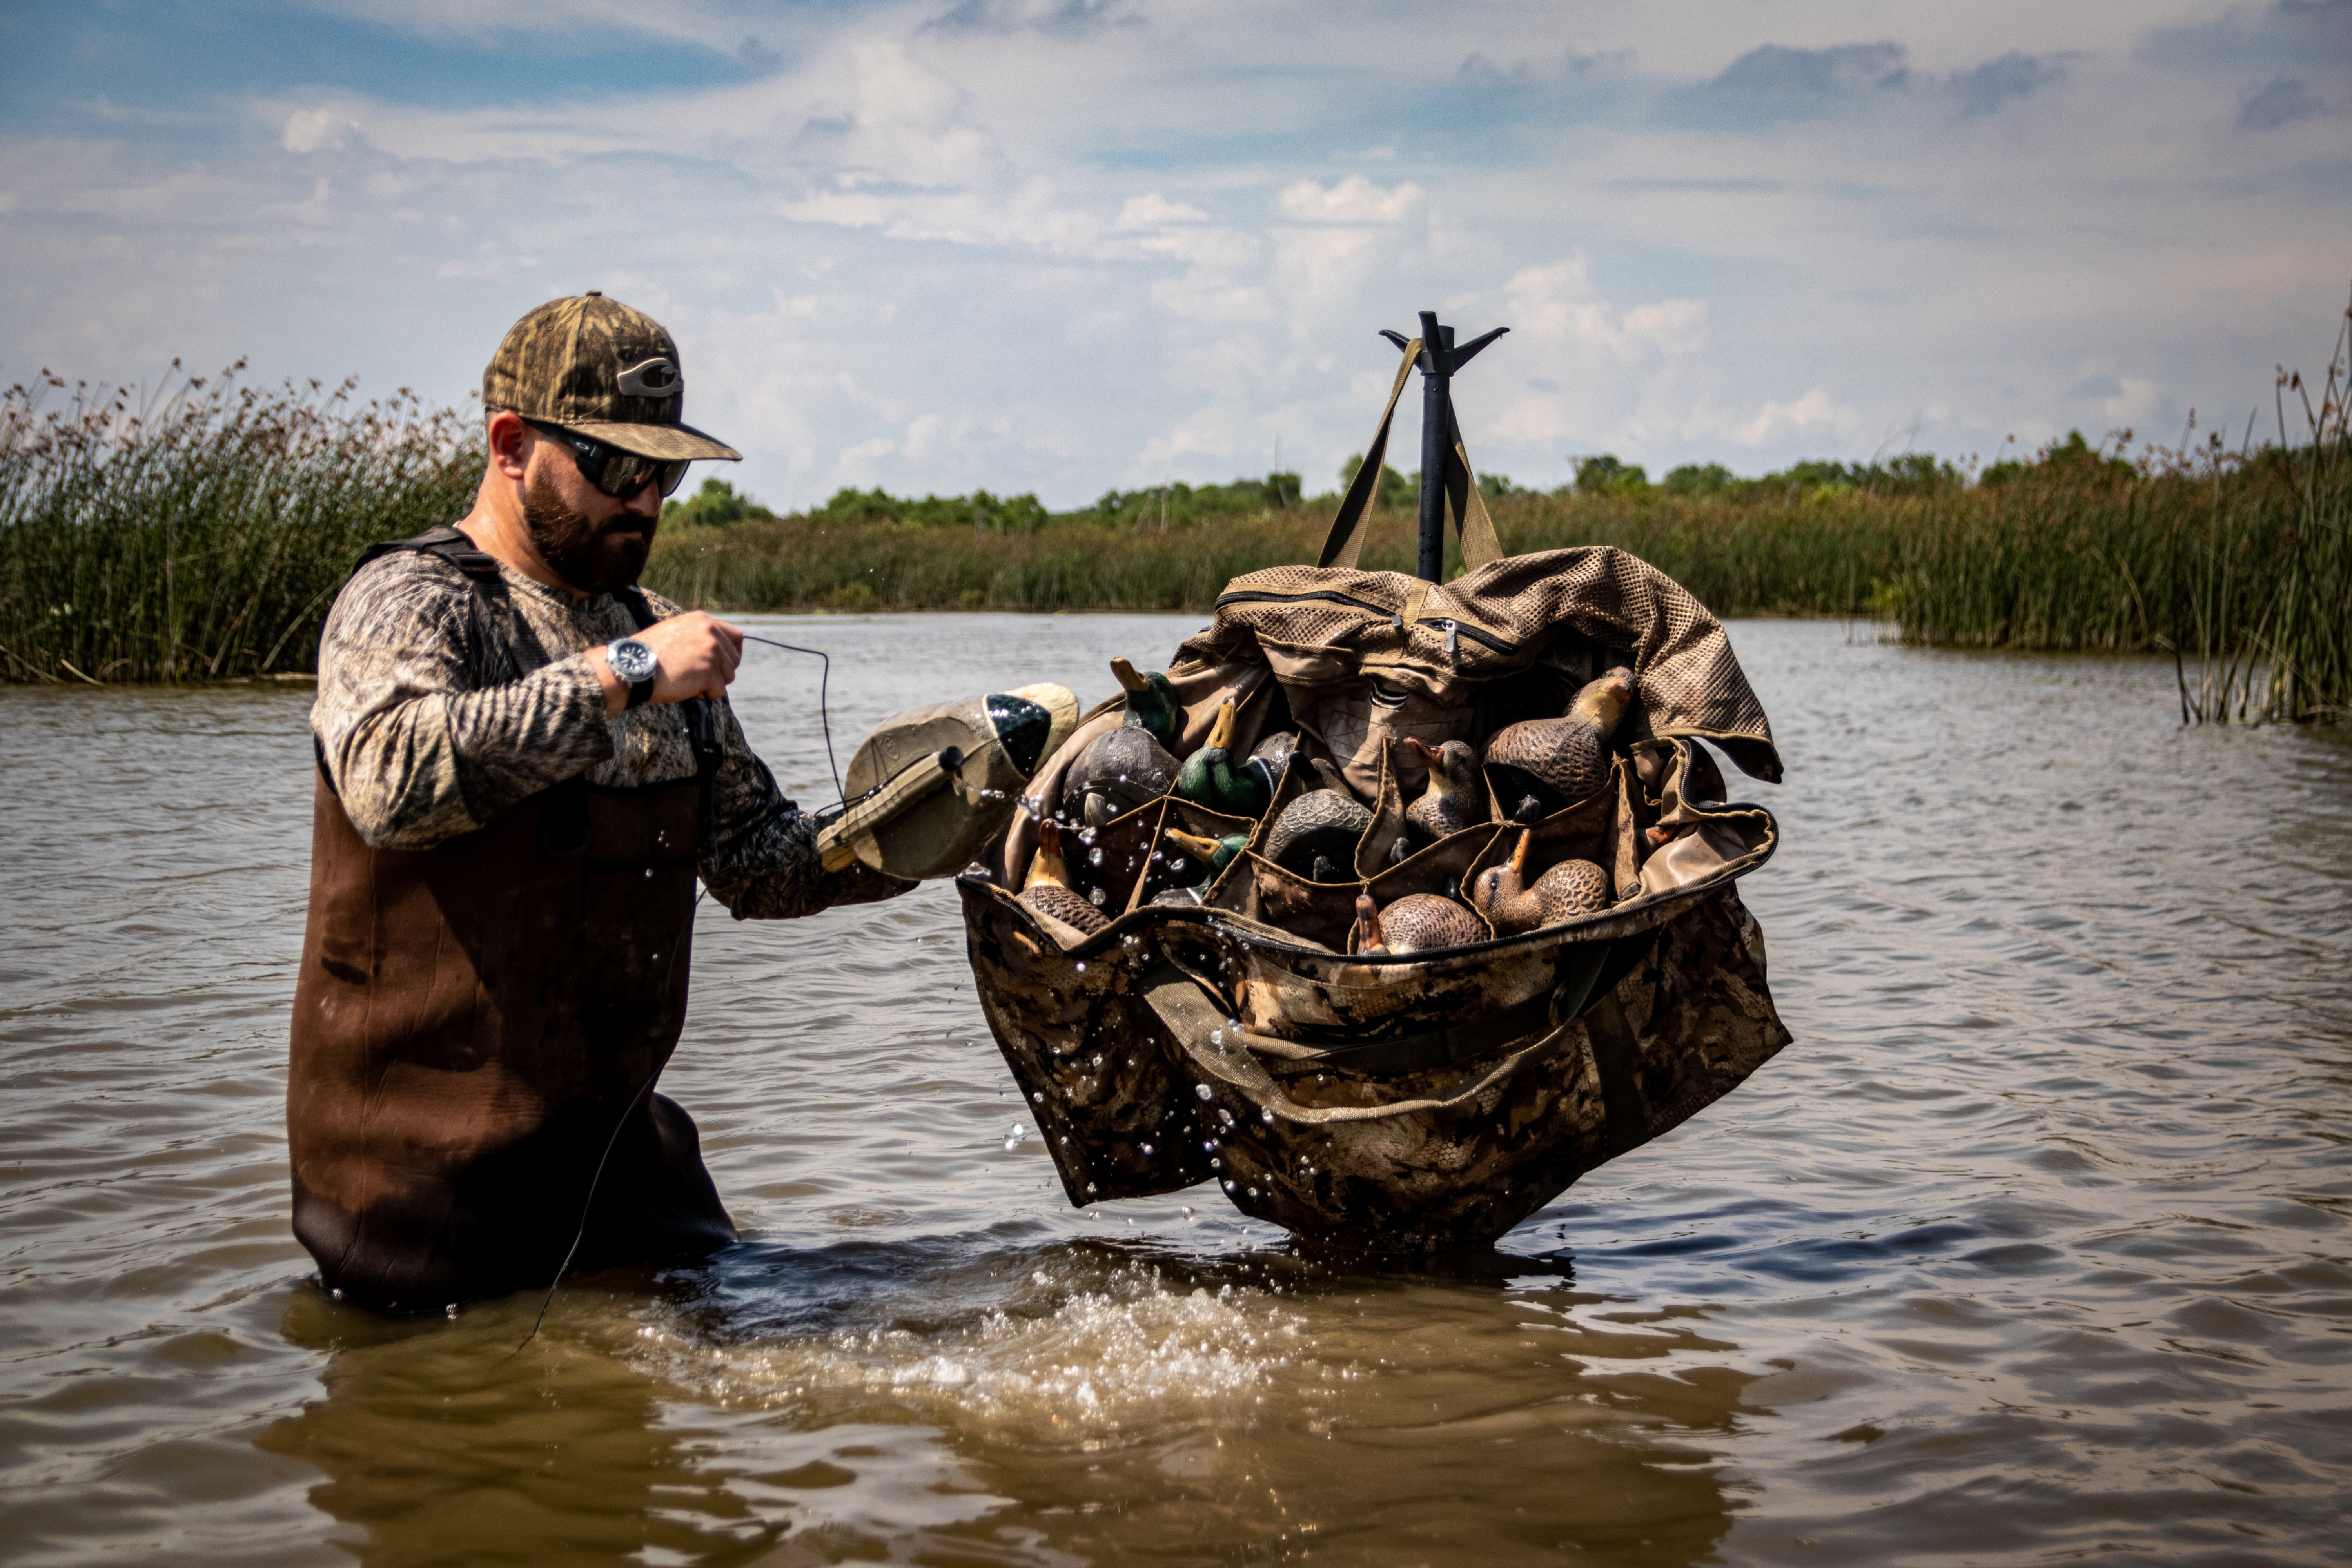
pixel 1541 765
pixel 1511 904
pixel 1196 851
pixel 1130 767
pixel 1209 777
pixel 1047 888
pixel 1418 922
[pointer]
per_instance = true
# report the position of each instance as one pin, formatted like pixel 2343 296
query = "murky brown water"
pixel 2033 1248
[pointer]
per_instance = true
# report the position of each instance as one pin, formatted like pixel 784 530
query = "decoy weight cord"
pixel 825 720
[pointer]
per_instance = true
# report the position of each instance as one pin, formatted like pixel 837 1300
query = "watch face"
pixel 632 660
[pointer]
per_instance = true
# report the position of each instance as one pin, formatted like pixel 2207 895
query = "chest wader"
pixel 474 1023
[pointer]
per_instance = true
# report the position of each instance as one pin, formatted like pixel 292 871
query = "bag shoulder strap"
pixel 1481 545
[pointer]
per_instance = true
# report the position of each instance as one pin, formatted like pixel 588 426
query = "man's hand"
pixel 697 655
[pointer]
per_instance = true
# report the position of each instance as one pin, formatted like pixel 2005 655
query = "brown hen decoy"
pixel 1512 905
pixel 1418 922
pixel 1541 765
pixel 1047 889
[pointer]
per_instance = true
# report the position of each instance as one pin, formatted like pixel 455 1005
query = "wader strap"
pixel 481 570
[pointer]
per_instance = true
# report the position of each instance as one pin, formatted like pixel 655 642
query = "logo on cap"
pixel 657 378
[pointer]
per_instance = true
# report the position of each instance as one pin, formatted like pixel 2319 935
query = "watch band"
pixel 640 692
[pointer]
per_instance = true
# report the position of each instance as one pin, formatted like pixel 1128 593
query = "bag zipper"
pixel 1254 597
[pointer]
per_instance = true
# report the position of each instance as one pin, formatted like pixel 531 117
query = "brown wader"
pixel 475 1023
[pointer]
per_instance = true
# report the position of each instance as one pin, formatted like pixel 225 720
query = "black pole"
pixel 1436 406
pixel 1438 360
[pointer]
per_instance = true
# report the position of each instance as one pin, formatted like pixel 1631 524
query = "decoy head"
pixel 1048 865
pixel 1213 853
pixel 1151 701
pixel 1497 885
pixel 1604 700
pixel 1221 732
pixel 1453 767
pixel 1365 935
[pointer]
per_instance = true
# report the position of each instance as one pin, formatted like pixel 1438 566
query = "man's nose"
pixel 647 502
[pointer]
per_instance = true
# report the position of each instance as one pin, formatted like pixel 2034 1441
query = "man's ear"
pixel 509 441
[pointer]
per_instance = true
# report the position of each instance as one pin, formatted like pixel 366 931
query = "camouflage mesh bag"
pixel 1398 1102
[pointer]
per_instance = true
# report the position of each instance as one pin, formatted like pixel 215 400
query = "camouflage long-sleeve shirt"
pixel 439 707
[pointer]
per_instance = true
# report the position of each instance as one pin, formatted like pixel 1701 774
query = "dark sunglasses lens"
pixel 672 475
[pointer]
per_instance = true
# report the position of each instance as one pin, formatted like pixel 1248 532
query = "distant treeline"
pixel 203 532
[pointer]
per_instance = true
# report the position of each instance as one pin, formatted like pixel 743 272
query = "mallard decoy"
pixel 1418 922
pixel 1150 702
pixel 1457 795
pixel 1047 888
pixel 1541 765
pixel 1571 888
pixel 1316 835
pixel 1209 777
pixel 1130 767
pixel 1198 850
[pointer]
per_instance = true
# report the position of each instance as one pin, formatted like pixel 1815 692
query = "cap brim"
pixel 667 443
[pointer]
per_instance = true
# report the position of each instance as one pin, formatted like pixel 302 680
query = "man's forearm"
pixel 430 767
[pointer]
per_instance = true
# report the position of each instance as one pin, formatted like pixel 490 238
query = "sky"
pixel 1063 245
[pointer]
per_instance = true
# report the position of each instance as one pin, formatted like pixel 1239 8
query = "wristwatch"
pixel 634 663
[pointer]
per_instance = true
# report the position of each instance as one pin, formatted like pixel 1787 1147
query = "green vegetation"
pixel 203 534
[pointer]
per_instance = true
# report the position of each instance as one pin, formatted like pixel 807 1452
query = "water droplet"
pixel 1209 1145
pixel 1216 1037
pixel 1147 1150
pixel 1097 1061
pixel 1176 866
pixel 337 1292
pixel 1266 1114
pixel 1011 1144
pixel 1202 1090
pixel 1096 898
pixel 450 1311
pixel 1037 1096
pixel 1090 1188
pixel 1253 1191
pixel 1188 1210
pixel 1082 962
pixel 1093 857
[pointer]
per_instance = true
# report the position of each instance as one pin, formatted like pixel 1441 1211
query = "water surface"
pixel 2033 1247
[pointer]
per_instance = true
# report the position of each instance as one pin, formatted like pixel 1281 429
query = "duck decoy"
pixel 1047 888
pixel 1209 777
pixel 1197 851
pixel 1418 922
pixel 1150 702
pixel 1541 765
pixel 1455 799
pixel 1511 904
pixel 1316 835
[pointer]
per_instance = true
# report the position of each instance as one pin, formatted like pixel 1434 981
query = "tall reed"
pixel 2269 611
pixel 204 532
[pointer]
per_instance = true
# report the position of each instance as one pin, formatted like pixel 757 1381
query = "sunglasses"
pixel 616 473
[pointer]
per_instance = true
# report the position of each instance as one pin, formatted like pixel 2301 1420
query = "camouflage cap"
pixel 592 364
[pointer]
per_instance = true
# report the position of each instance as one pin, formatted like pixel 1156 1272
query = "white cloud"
pixel 1816 415
pixel 1354 200
pixel 317 130
pixel 1153 210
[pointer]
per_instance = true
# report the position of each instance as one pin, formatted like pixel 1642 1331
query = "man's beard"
pixel 596 558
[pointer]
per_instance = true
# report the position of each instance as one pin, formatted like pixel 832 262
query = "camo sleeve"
pixel 421 738
pixel 762 860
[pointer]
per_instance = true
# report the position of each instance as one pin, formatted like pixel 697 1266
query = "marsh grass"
pixel 203 532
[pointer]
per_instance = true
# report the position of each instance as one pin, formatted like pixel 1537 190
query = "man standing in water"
pixel 524 760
